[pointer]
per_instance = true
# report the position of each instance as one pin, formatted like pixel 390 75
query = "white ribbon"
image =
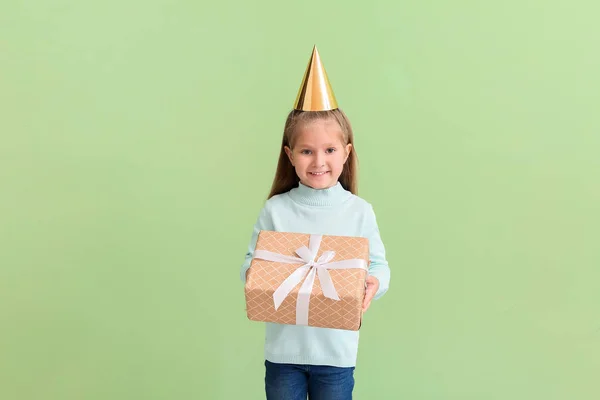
pixel 313 268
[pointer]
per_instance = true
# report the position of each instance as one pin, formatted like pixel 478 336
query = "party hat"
pixel 315 93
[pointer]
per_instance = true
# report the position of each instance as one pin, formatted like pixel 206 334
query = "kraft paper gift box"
pixel 303 279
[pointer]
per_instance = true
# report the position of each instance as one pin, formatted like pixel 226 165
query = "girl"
pixel 314 191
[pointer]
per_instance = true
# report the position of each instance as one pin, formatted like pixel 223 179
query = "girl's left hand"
pixel 372 287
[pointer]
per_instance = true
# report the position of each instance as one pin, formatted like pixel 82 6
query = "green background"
pixel 139 140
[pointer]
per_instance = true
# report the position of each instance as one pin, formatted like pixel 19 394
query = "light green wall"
pixel 139 139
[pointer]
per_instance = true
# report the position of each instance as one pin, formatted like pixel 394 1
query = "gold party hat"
pixel 315 93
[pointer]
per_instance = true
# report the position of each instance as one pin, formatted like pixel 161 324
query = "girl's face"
pixel 319 153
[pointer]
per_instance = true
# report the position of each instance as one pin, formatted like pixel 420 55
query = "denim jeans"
pixel 296 382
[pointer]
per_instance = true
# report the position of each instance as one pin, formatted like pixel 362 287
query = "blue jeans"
pixel 295 382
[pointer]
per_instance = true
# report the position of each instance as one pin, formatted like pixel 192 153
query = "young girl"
pixel 314 191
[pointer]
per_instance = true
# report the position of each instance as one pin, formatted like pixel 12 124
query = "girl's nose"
pixel 319 159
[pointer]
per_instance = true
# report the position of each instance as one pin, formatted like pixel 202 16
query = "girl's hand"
pixel 372 287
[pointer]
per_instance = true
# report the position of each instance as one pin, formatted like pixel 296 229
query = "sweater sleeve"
pixel 379 267
pixel 263 222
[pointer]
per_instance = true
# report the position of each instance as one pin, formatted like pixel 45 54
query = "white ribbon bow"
pixel 319 267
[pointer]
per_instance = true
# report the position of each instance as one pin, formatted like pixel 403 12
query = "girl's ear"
pixel 288 151
pixel 348 150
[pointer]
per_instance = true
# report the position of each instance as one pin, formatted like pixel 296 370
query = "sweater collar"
pixel 320 197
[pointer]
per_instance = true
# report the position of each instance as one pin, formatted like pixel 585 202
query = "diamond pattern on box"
pixel 263 278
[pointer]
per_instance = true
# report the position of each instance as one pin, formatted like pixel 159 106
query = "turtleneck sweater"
pixel 331 211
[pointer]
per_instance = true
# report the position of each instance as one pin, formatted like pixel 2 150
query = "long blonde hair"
pixel 285 176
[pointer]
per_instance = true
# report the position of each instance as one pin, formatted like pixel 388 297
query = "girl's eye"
pixel 331 149
pixel 304 151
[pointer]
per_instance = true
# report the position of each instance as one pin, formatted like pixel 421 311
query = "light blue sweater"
pixel 332 211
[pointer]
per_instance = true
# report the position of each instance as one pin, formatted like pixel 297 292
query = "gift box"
pixel 304 279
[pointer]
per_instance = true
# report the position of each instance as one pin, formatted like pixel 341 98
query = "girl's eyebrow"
pixel 304 145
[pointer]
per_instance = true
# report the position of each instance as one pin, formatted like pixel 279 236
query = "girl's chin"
pixel 319 181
